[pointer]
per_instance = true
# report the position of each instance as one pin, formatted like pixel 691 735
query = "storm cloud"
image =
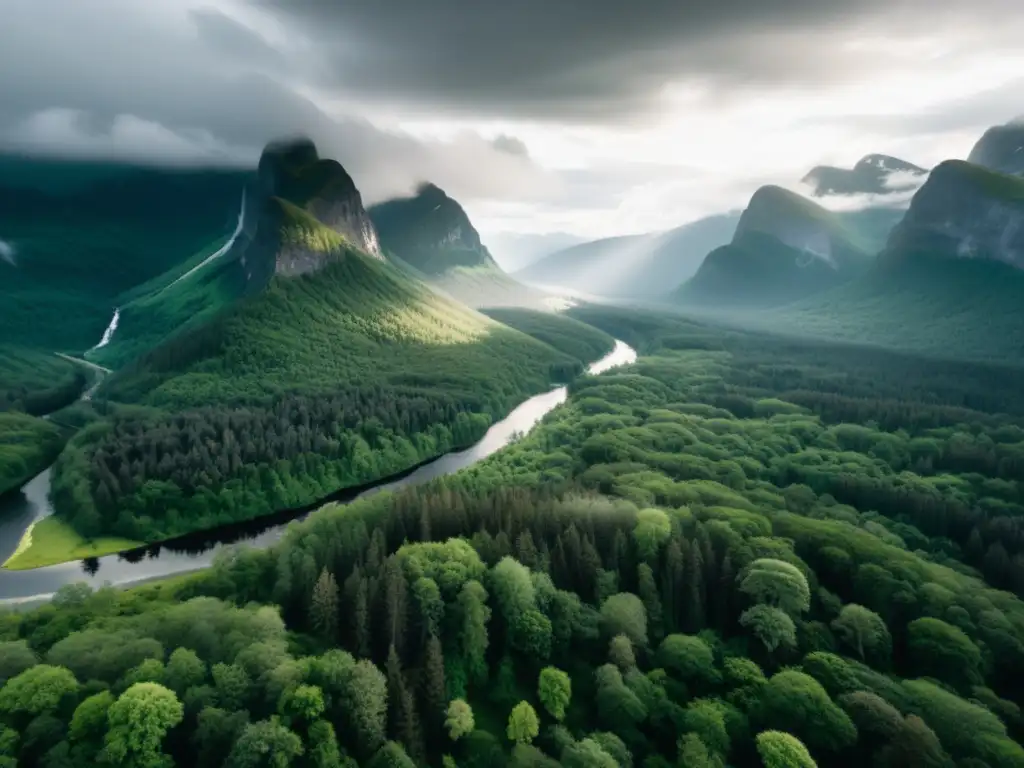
pixel 155 84
pixel 608 60
pixel 594 117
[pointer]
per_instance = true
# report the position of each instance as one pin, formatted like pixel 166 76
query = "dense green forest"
pixel 28 445
pixel 743 550
pixel 318 383
pixel 38 382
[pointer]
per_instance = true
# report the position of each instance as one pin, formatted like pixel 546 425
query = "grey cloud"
pixel 511 145
pixel 233 38
pixel 595 60
pixel 133 80
pixel 992 106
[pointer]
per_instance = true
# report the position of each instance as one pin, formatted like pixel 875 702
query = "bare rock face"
pixel 965 211
pixel 293 170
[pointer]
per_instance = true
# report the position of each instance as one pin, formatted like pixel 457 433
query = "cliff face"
pixel 964 211
pixel 293 171
pixel 873 174
pixel 299 212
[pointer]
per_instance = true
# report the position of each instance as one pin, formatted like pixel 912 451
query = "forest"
pixel 316 385
pixel 741 551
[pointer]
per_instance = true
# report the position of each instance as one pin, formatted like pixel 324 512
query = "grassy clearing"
pixel 52 541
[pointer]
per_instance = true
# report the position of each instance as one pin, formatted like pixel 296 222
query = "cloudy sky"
pixel 593 117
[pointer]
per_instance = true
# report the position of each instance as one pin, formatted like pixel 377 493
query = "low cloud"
pixel 7 253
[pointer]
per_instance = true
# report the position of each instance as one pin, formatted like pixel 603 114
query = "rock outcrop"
pixel 293 170
pixel 964 211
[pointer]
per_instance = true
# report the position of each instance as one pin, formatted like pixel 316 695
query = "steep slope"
pixel 339 370
pixel 785 247
pixel 295 210
pixel 872 175
pixel 1001 148
pixel 77 234
pixel 949 283
pixel 431 233
pixel 633 265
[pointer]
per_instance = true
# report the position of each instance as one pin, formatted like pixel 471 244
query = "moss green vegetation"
pixel 28 445
pixel 743 550
pixel 52 541
pixel 1003 186
pixel 565 334
pixel 38 382
pixel 952 308
pixel 318 383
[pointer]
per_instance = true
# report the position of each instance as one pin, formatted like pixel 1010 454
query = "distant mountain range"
pixel 872 175
pixel 785 247
pixel 633 265
pixel 950 281
pixel 515 251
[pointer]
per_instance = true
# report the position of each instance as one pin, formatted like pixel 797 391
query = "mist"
pixel 7 253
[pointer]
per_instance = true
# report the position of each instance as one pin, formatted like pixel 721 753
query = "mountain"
pixel 949 283
pixel 785 247
pixel 294 212
pixel 633 265
pixel 872 175
pixel 514 251
pixel 1001 148
pixel 432 235
pixel 331 368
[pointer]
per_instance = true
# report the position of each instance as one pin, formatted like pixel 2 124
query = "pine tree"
pixel 323 607
pixel 671 586
pixel 435 699
pixel 694 614
pixel 403 725
pixel 648 592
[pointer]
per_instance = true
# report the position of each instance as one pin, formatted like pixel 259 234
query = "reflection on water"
pixel 198 550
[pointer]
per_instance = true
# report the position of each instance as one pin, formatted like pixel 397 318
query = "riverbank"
pixel 199 550
pixel 51 541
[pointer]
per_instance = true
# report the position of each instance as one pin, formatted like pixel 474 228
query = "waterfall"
pixel 109 333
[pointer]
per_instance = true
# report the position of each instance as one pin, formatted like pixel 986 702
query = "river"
pixel 195 551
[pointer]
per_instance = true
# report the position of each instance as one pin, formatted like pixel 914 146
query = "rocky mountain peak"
pixel 871 175
pixel 293 170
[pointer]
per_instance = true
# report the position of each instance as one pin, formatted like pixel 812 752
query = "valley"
pixel 308 482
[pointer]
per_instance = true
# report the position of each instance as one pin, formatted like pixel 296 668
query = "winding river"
pixel 195 551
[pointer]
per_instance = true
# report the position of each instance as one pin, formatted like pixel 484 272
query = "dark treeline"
pixel 649 578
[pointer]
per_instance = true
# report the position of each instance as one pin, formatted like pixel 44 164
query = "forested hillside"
pixel 320 382
pixel 743 550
